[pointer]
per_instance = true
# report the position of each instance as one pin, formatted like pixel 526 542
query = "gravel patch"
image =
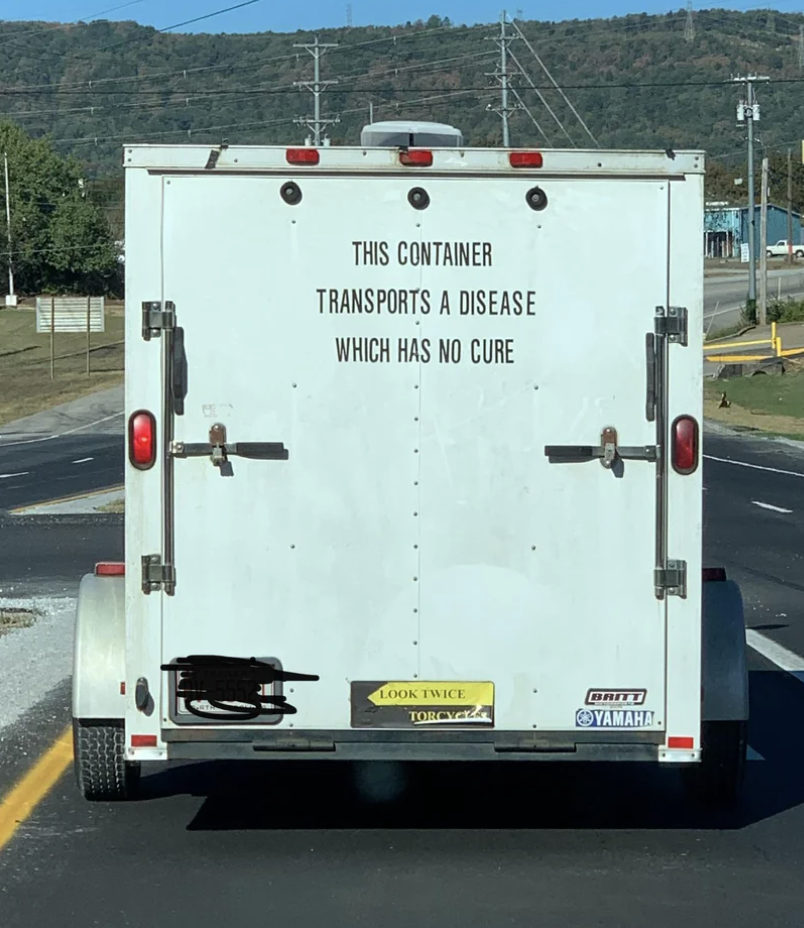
pixel 34 659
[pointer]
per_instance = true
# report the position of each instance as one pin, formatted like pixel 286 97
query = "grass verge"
pixel 25 383
pixel 769 403
pixel 118 505
pixel 12 619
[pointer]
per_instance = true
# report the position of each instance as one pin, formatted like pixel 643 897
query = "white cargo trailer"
pixel 405 479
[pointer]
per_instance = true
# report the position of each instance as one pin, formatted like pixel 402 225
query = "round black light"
pixel 419 198
pixel 536 198
pixel 291 193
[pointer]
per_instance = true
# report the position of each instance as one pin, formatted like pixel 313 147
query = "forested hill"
pixel 92 86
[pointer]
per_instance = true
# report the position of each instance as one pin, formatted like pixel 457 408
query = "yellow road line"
pixel 20 803
pixel 70 499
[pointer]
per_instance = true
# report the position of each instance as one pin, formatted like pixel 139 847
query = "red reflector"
pixel 684 438
pixel 714 574
pixel 417 157
pixel 525 159
pixel 143 741
pixel 110 569
pixel 302 156
pixel 686 743
pixel 142 440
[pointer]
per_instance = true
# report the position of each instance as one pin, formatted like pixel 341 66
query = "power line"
pixel 532 117
pixel 543 66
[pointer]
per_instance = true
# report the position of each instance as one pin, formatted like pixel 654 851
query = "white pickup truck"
pixel 781 250
pixel 374 510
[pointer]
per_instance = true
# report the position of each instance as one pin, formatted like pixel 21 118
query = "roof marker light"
pixel 302 156
pixel 416 157
pixel 525 159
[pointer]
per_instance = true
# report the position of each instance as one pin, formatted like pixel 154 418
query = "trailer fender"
pixel 99 654
pixel 724 668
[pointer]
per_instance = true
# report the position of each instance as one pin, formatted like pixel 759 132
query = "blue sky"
pixel 283 16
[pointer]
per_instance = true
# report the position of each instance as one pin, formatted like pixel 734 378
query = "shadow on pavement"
pixel 313 795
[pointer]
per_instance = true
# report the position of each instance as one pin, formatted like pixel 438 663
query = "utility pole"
pixel 789 205
pixel 504 110
pixel 748 112
pixel 801 48
pixel 689 25
pixel 763 244
pixel 11 299
pixel 317 87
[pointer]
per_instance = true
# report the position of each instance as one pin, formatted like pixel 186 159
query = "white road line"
pixel 83 460
pixel 35 441
pixel 772 470
pixel 754 755
pixel 756 502
pixel 23 473
pixel 776 654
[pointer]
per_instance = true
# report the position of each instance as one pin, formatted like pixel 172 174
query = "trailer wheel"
pixel 101 770
pixel 718 777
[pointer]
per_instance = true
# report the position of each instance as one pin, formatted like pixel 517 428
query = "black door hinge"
pixel 672 580
pixel 156 319
pixel 156 575
pixel 672 322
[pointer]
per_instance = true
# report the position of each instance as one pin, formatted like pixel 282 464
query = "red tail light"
pixel 302 156
pixel 110 569
pixel 417 157
pixel 143 741
pixel 142 440
pixel 684 439
pixel 686 743
pixel 525 159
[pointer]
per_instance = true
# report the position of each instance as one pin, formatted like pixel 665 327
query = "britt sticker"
pixel 613 718
pixel 616 698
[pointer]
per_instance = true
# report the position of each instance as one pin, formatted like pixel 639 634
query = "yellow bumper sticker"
pixel 422 703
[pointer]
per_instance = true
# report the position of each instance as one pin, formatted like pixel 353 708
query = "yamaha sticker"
pixel 613 718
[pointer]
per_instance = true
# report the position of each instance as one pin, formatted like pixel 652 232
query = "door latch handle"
pixel 219 450
pixel 607 452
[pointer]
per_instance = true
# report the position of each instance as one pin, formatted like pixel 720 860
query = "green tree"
pixel 61 241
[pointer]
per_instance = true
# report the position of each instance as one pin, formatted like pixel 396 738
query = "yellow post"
pixel 774 344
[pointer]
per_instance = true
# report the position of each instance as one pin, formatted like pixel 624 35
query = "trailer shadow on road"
pixel 340 795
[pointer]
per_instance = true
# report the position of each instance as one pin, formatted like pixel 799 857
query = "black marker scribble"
pixel 221 681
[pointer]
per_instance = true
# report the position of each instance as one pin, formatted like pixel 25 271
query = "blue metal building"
pixel 726 228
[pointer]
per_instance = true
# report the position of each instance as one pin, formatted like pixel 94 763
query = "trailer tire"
pixel 718 777
pixel 101 770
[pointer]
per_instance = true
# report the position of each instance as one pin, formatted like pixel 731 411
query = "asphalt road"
pixel 598 846
pixel 725 295
pixel 33 471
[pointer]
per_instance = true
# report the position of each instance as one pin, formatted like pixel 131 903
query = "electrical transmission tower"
pixel 801 48
pixel 501 74
pixel 348 15
pixel 689 25
pixel 317 124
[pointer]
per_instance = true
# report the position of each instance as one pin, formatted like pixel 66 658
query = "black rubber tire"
pixel 799 254
pixel 101 770
pixel 718 778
